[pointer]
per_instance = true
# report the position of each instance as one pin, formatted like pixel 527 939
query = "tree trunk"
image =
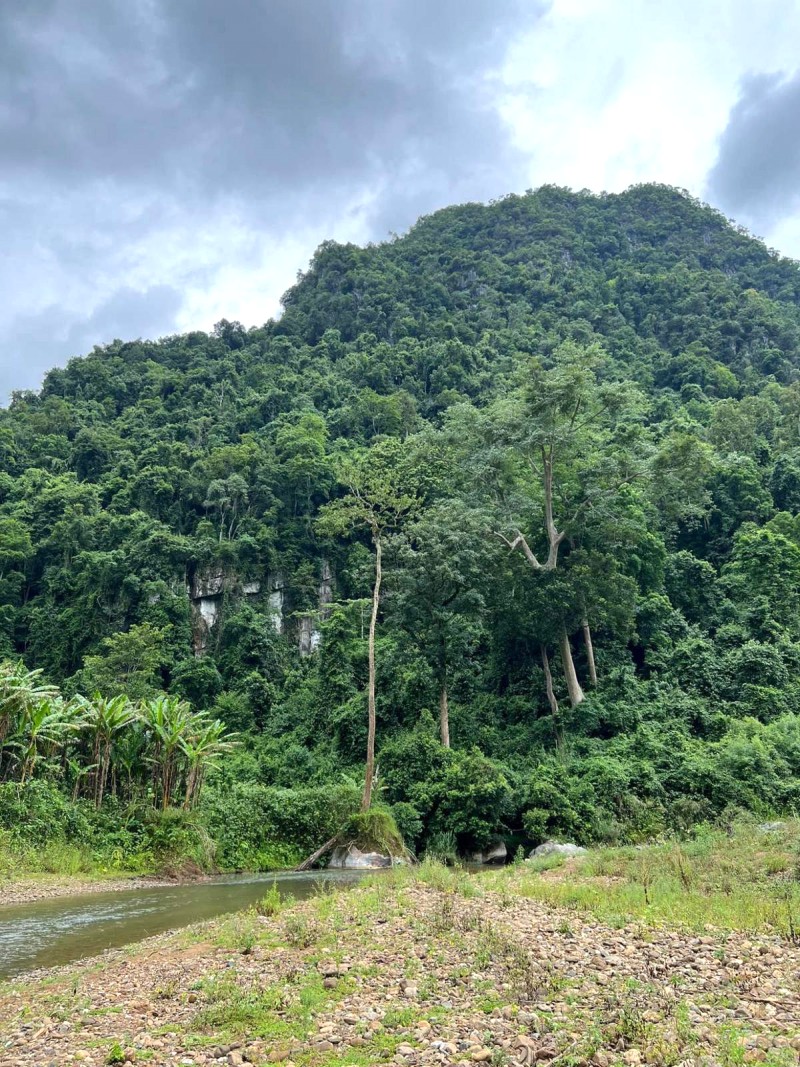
pixel 309 862
pixel 548 682
pixel 187 797
pixel 587 640
pixel 444 715
pixel 102 774
pixel 576 694
pixel 551 696
pixel 369 772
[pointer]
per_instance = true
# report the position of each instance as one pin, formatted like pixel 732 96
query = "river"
pixel 58 930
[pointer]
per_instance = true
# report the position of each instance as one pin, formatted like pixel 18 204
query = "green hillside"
pixel 573 424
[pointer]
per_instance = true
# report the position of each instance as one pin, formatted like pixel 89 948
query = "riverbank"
pixel 26 889
pixel 431 967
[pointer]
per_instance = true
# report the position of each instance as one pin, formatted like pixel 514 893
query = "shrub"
pixel 259 827
pixel 38 812
pixel 178 843
pixel 375 831
pixel 408 822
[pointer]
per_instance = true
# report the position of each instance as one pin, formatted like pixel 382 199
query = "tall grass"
pixel 746 879
pixel 64 858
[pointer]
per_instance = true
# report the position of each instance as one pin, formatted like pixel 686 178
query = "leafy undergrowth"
pixel 171 843
pixel 66 860
pixel 746 879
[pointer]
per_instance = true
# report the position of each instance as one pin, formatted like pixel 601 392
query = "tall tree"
pixel 378 500
pixel 555 454
pixel 443 563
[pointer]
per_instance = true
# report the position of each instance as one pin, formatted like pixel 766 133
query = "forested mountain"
pixel 571 425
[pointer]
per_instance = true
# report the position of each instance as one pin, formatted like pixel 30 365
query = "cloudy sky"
pixel 167 163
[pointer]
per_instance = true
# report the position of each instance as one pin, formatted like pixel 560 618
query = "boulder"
pixel 495 853
pixel 556 848
pixel 350 858
pixel 770 827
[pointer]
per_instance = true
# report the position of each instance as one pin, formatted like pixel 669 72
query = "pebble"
pixel 548 990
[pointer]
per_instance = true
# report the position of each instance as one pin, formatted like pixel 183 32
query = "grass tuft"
pixel 744 879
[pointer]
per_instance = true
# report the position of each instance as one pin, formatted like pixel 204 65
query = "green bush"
pixel 178 843
pixel 375 831
pixel 408 822
pixel 38 812
pixel 258 827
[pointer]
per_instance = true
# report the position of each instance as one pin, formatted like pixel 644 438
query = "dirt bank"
pixel 43 887
pixel 413 974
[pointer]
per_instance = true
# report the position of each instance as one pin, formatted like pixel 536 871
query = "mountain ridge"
pixel 149 477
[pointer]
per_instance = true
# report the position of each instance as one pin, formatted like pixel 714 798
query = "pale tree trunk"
pixel 551 696
pixel 587 640
pixel 576 694
pixel 444 716
pixel 102 774
pixel 548 682
pixel 369 772
pixel 554 538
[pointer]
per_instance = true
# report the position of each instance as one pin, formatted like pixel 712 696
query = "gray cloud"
pixel 757 172
pixel 246 95
pixel 124 119
pixel 52 336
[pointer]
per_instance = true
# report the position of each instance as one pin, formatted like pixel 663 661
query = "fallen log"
pixel 308 863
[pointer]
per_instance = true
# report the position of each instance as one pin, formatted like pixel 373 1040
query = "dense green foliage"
pixel 593 404
pixel 159 750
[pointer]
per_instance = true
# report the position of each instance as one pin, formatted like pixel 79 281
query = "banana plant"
pixel 129 757
pixel 44 727
pixel 20 690
pixel 104 719
pixel 168 721
pixel 202 750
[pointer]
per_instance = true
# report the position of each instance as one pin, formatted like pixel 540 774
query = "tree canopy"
pixel 524 481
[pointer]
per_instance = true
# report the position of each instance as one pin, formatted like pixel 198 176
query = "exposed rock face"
pixel 325 591
pixel 206 592
pixel 495 853
pixel 352 858
pixel 207 584
pixel 556 848
pixel 309 635
pixel 206 589
pixel 276 599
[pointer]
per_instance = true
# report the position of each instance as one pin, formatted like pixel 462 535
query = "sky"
pixel 168 163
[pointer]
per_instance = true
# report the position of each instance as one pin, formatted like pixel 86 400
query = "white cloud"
pixel 606 93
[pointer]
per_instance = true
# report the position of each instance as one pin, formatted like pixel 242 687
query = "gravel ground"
pixel 415 975
pixel 45 887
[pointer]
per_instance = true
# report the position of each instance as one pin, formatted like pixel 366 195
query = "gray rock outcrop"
pixel 350 858
pixel 495 853
pixel 556 848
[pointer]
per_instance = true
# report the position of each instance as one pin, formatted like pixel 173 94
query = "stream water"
pixel 47 933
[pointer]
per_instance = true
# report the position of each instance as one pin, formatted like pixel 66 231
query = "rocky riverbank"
pixel 26 890
pixel 407 972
